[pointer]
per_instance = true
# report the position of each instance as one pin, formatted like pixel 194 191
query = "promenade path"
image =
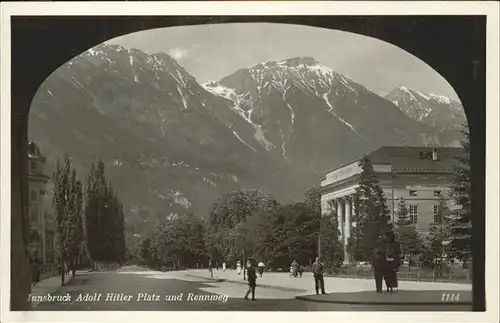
pixel 305 285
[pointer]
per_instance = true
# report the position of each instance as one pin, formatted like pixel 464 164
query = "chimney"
pixel 434 154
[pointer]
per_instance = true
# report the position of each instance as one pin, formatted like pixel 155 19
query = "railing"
pixel 103 266
pixel 454 275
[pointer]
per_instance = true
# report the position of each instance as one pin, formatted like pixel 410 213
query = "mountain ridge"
pixel 172 145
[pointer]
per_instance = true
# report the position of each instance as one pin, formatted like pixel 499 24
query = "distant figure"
pixel 223 266
pixel 35 273
pixel 318 268
pixel 301 270
pixel 393 260
pixel 210 269
pixel 261 268
pixel 379 267
pixel 238 267
pixel 294 268
pixel 252 280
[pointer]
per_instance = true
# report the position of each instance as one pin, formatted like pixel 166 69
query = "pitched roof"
pixel 408 159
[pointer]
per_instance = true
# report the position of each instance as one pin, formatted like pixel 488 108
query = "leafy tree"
pixel 330 245
pixel 439 234
pixel 67 203
pixel 332 250
pixel 411 242
pixel 179 241
pixel 372 218
pixel 313 199
pixel 146 258
pixel 226 218
pixel 291 234
pixel 461 227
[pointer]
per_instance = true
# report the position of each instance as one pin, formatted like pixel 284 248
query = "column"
pixel 348 216
pixel 340 217
pixel 347 226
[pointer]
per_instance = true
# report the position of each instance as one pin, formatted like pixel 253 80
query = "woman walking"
pixel 393 259
pixel 238 267
pixel 261 268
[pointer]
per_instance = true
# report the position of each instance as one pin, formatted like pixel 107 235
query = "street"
pixel 135 288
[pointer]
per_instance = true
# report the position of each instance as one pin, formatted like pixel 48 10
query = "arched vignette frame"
pixel 454 46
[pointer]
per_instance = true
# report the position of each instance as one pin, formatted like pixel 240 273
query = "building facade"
pixel 422 176
pixel 42 244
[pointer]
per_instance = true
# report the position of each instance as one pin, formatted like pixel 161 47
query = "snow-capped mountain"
pixel 314 116
pixel 172 145
pixel 435 110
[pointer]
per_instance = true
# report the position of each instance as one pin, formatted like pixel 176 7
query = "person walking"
pixel 301 271
pixel 393 260
pixel 210 269
pixel 35 273
pixel 252 280
pixel 378 264
pixel 318 268
pixel 238 267
pixel 223 266
pixel 261 268
pixel 294 268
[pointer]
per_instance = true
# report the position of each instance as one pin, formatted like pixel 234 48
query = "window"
pixel 413 193
pixel 34 195
pixel 49 240
pixel 33 213
pixel 437 216
pixel 437 193
pixel 413 214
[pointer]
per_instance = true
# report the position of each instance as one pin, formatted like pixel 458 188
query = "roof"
pixel 407 158
pixel 34 151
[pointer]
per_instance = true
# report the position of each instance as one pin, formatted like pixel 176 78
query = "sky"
pixel 211 52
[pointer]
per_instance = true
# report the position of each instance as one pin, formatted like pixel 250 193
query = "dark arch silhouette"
pixel 454 46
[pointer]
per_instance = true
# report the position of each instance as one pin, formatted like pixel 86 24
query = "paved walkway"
pixel 401 297
pixel 49 286
pixel 305 285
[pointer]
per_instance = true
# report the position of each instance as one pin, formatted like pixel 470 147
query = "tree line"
pixel 90 213
pixel 248 223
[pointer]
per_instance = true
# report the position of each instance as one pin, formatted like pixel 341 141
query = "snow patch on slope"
pixel 243 141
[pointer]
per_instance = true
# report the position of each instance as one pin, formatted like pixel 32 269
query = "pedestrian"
pixel 252 279
pixel 35 274
pixel 238 267
pixel 294 268
pixel 379 267
pixel 318 268
pixel 223 266
pixel 261 268
pixel 210 269
pixel 393 260
pixel 301 271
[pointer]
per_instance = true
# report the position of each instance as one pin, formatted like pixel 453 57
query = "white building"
pixel 42 223
pixel 420 175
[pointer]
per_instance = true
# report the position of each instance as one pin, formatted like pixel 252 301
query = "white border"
pixel 490 8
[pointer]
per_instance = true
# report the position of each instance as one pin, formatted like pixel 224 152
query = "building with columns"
pixel 422 176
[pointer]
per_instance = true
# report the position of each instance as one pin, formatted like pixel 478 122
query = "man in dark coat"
pixel 379 267
pixel 252 279
pixel 318 269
